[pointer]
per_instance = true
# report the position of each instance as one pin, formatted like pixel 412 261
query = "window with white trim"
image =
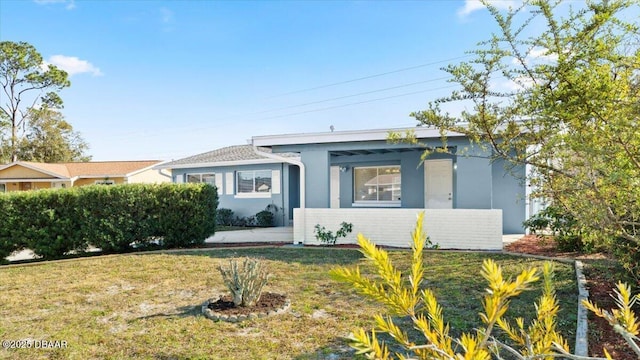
pixel 253 183
pixel 380 185
pixel 201 178
pixel 3 187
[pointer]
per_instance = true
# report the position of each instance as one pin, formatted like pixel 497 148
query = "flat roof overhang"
pixel 345 136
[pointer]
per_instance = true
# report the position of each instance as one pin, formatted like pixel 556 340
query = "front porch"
pixel 469 229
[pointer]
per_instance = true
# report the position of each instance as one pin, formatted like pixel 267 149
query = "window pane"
pixel 377 183
pixel 193 178
pixel 365 184
pixel 389 183
pixel 209 179
pixel 263 181
pixel 245 181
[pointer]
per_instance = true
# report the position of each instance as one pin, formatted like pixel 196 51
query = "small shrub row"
pixel 119 218
pixel 264 218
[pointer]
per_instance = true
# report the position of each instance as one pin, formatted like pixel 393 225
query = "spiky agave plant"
pixel 244 280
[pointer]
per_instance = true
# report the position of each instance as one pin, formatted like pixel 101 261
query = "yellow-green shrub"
pixel 405 296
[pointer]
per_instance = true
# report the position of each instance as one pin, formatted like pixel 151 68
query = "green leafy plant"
pixel 224 217
pixel 328 237
pixel 118 218
pixel 245 281
pixel 264 218
pixel 556 221
pixel 405 297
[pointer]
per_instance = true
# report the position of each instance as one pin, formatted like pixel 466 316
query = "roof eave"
pixel 344 136
pixel 218 164
pixel 34 168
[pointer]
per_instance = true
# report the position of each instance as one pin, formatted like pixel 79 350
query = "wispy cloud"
pixel 167 19
pixel 68 4
pixel 166 15
pixel 474 5
pixel 73 65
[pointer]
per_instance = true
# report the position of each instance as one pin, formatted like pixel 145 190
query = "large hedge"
pixel 116 218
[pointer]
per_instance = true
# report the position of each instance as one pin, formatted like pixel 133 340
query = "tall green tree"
pixel 50 138
pixel 560 93
pixel 26 84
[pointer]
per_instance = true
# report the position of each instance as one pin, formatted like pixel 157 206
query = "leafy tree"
pixel 49 138
pixel 560 93
pixel 26 85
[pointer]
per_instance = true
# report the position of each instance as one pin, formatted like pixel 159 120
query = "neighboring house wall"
pixel 92 181
pixel 150 176
pixel 245 205
pixel 40 185
pixel 19 172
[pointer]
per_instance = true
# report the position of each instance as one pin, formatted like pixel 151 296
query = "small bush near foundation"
pixel 328 237
pixel 264 218
pixel 224 217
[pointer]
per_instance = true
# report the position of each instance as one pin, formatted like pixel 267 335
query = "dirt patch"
pixel 601 334
pixel 268 302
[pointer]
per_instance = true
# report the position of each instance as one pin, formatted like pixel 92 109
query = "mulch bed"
pixel 267 302
pixel 601 334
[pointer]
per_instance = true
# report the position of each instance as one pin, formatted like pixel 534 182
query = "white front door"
pixel 438 184
pixel 334 187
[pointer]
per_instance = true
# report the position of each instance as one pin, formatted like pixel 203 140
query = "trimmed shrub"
pixel 8 243
pixel 117 218
pixel 264 218
pixel 224 217
pixel 186 214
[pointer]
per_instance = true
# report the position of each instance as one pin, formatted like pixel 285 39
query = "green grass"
pixel 147 306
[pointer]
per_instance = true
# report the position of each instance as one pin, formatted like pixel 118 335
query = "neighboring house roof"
pixel 226 156
pixel 109 168
pixel 94 169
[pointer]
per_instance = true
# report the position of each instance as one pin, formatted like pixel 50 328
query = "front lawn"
pixel 148 305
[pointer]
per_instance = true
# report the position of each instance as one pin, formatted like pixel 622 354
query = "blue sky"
pixel 169 79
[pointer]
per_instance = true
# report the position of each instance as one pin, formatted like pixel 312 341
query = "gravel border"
pixel 216 316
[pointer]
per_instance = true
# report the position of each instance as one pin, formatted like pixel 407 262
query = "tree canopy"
pixel 558 88
pixel 50 138
pixel 27 84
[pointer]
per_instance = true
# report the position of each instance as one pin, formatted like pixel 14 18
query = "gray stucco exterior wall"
pixel 509 195
pixel 473 180
pixel 317 163
pixel 477 182
pixel 247 206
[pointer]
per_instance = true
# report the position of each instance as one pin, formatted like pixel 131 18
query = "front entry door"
pixel 438 184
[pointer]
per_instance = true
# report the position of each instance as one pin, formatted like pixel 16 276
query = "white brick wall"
pixel 451 228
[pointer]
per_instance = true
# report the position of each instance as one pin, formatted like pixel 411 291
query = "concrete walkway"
pixel 266 235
